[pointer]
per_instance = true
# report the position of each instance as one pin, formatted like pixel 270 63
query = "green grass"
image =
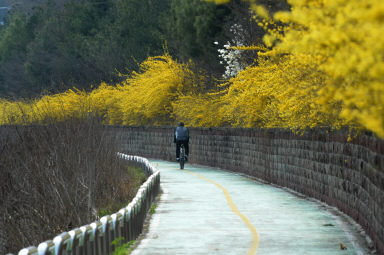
pixel 122 248
pixel 153 208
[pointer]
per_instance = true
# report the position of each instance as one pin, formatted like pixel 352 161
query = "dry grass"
pixel 56 177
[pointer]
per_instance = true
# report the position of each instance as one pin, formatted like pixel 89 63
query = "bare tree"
pixel 56 177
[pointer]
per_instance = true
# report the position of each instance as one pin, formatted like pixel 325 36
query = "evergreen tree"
pixel 14 40
pixel 192 29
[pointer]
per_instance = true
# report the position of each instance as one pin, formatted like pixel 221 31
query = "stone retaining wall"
pixel 320 164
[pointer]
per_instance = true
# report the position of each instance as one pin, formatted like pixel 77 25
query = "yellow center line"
pixel 255 236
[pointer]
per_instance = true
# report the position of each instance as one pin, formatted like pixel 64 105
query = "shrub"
pixel 56 177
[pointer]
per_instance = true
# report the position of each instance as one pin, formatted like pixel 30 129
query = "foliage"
pixel 15 37
pixel 13 47
pixel 200 109
pixel 79 43
pixel 278 93
pixel 122 248
pixel 322 68
pixel 152 91
pixel 153 208
pixel 56 47
pixel 344 37
pixel 232 57
pixel 321 65
pixel 131 35
pixel 342 43
pixel 193 27
pixel 145 97
pixel 59 55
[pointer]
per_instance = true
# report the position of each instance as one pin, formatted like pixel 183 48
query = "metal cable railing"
pixel 96 238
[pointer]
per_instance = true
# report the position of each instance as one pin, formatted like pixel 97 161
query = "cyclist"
pixel 181 137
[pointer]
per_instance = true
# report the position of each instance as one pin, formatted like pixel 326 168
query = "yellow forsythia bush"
pixel 148 95
pixel 345 38
pixel 342 41
pixel 279 92
pixel 70 104
pixel 144 98
pixel 200 110
pixel 322 66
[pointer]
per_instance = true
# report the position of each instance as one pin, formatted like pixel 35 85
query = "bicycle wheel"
pixel 182 157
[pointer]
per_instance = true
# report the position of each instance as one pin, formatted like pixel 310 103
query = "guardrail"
pixel 96 238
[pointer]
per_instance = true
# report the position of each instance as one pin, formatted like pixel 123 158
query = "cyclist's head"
pixel 181 124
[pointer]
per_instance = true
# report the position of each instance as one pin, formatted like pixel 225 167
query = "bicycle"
pixel 182 156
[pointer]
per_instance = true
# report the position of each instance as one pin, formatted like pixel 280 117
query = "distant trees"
pixel 192 29
pixel 58 58
pixel 82 43
pixel 13 49
pixel 65 44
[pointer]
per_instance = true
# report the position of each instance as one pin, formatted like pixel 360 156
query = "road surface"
pixel 204 210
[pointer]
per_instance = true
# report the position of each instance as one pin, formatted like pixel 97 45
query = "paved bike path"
pixel 208 211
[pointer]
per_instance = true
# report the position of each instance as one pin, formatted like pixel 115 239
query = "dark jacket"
pixel 181 134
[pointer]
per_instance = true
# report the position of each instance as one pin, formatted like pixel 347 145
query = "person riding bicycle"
pixel 181 137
